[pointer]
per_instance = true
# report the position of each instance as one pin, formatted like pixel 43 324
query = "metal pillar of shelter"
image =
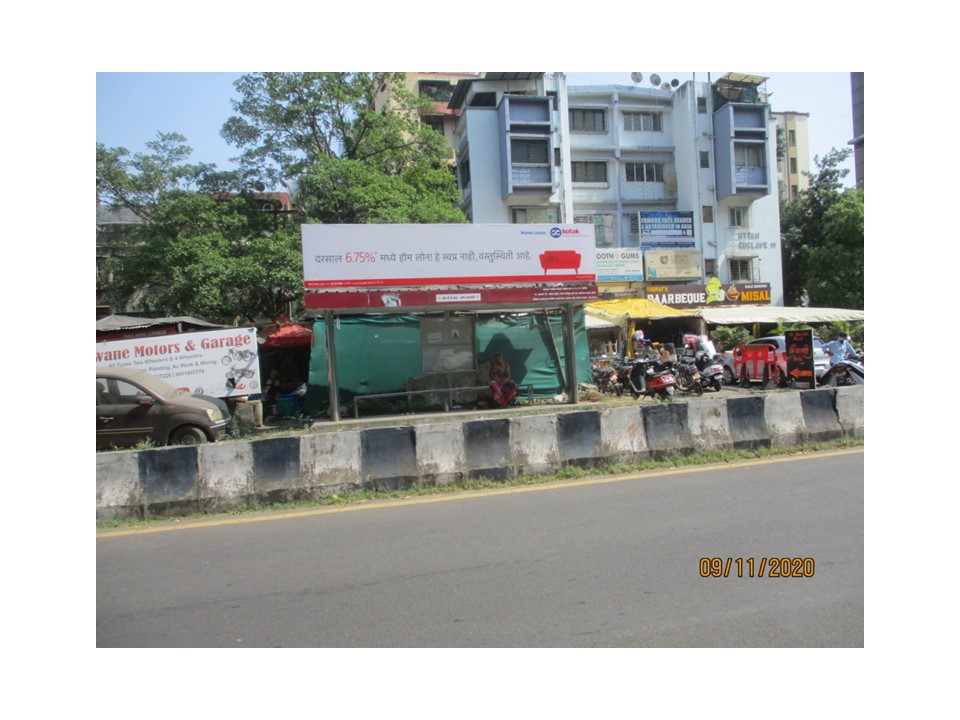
pixel 332 367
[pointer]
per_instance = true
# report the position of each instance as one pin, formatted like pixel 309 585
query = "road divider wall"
pixel 236 474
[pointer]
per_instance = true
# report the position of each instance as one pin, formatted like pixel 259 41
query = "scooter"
pixel 652 379
pixel 711 371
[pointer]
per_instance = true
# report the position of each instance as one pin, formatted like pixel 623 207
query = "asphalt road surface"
pixel 605 562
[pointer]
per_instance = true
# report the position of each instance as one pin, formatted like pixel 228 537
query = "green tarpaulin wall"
pixel 378 353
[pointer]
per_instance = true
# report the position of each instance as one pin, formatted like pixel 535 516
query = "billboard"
pixel 619 264
pixel 337 257
pixel 666 228
pixel 221 363
pixel 672 264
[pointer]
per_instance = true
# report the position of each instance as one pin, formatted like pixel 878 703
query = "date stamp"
pixel 772 567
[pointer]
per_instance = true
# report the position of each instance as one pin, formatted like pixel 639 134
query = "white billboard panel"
pixel 376 256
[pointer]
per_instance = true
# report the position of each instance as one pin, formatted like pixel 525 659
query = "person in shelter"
pixel 501 385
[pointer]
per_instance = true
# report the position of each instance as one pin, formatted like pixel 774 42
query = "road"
pixel 604 562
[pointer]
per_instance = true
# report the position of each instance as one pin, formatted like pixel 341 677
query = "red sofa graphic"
pixel 557 259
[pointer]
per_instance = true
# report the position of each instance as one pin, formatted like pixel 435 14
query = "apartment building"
pixel 438 88
pixel 680 183
pixel 793 156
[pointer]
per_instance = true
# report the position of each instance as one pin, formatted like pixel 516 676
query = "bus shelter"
pixel 434 299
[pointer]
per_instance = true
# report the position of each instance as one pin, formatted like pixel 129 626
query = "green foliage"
pixel 225 260
pixel 286 122
pixel 137 181
pixel 338 190
pixel 822 231
pixel 727 337
pixel 221 260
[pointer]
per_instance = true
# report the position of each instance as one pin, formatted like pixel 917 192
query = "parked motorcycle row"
pixel 651 374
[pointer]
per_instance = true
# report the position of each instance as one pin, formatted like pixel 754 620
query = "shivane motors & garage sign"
pixel 404 256
pixel 221 363
pixel 714 292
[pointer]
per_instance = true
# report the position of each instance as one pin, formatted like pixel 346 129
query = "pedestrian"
pixel 501 384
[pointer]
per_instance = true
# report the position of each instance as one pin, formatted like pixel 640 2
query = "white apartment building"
pixel 680 183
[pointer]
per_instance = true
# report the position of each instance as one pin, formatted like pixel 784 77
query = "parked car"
pixel 134 406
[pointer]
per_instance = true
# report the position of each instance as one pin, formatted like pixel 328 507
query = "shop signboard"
pixel 619 264
pixel 714 292
pixel 672 264
pixel 220 363
pixel 666 229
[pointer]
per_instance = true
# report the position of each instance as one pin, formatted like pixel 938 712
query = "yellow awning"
pixel 617 311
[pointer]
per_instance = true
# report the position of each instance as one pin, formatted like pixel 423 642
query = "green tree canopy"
pixel 217 259
pixel 823 245
pixel 135 181
pixel 286 122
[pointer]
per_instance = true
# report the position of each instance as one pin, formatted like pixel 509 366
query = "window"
pixel 435 122
pixel 704 158
pixel 589 172
pixel 794 189
pixel 748 155
pixel 738 217
pixel 701 104
pixel 793 166
pixel 530 152
pixel 537 215
pixel 792 135
pixel 603 227
pixel 709 267
pixel 643 121
pixel 588 121
pixel 644 172
pixel 436 90
pixel 740 270
pixel 706 212
pixel 463 170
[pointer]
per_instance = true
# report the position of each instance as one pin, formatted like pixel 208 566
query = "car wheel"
pixel 728 378
pixel 188 435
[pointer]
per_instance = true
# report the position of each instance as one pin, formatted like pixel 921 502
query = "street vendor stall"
pixel 653 318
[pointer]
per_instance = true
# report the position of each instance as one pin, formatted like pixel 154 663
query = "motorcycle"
pixel 607 380
pixel 688 376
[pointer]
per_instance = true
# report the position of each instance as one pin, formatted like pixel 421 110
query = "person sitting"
pixel 501 385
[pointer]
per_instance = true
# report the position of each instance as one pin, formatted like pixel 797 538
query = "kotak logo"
pixel 555 232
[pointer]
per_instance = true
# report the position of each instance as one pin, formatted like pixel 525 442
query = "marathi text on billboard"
pixel 379 256
pixel 220 363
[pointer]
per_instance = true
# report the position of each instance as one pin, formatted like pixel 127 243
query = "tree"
pixel 286 122
pixel 803 228
pixel 835 269
pixel 136 181
pixel 218 259
pixel 318 132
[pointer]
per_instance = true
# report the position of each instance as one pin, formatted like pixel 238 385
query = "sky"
pixel 131 108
